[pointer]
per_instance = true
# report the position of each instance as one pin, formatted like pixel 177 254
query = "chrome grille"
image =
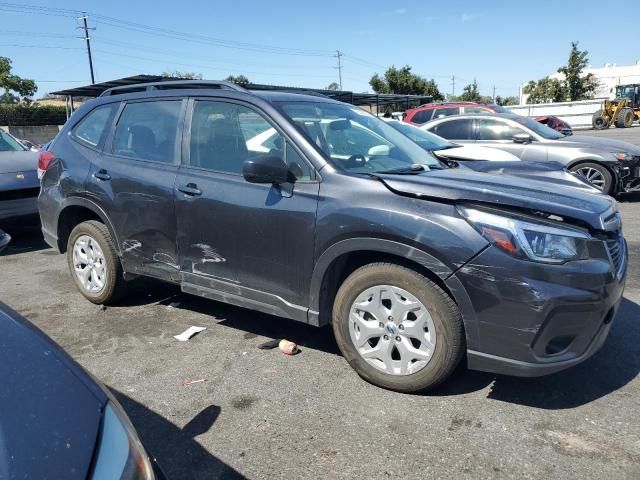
pixel 616 252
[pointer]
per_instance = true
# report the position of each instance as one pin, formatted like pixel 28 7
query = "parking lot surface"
pixel 261 414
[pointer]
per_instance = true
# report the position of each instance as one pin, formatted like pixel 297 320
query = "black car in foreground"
pixel 315 210
pixel 56 421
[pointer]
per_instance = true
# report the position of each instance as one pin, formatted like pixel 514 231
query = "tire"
pixel 624 119
pixel 106 281
pixel 601 176
pixel 599 121
pixel 445 328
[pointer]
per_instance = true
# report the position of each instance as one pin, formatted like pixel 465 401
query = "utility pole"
pixel 88 40
pixel 453 86
pixel 338 56
pixel 494 94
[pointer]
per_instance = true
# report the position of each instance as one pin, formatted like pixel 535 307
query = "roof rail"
pixel 173 85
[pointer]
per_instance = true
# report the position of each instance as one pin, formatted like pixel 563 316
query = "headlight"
pixel 622 156
pixel 120 454
pixel 525 238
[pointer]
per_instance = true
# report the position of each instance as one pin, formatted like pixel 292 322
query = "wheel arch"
pixel 76 210
pixel 614 175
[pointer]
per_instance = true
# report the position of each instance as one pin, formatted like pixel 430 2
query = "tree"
pixel 13 83
pixel 332 86
pixel 470 93
pixel 506 101
pixel 402 81
pixel 546 90
pixel 578 86
pixel 574 86
pixel 239 80
pixel 182 75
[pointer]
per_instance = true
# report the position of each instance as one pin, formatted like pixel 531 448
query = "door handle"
pixel 190 189
pixel 102 175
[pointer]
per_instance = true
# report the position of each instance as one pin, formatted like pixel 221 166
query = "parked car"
pixel 19 185
pixel 57 420
pixel 34 147
pixel 491 160
pixel 555 123
pixel 431 111
pixel 610 165
pixel 415 265
pixel 5 238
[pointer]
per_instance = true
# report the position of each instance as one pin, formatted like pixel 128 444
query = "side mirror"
pixel 522 138
pixel 266 169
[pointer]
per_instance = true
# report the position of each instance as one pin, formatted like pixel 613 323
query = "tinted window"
pixel 9 144
pixel 93 126
pixel 148 130
pixel 454 129
pixel 496 130
pixel 476 110
pixel 224 135
pixel 423 116
pixel 446 112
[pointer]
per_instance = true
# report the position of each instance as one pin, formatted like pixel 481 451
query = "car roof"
pixel 510 116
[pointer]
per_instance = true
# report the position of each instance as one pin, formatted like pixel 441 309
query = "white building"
pixel 608 76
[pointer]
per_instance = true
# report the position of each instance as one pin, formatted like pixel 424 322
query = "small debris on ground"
pixel 189 333
pixel 103 307
pixel 173 305
pixel 286 346
pixel 268 345
pixel 186 383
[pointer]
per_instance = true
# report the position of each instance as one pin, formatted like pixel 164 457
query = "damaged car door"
pixel 133 180
pixel 238 241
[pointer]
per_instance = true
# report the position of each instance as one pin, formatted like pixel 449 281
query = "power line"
pixel 39 46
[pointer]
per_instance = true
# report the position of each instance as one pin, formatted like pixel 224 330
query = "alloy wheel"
pixel 89 264
pixel 593 176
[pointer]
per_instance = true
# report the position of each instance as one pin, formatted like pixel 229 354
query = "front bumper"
pixel 530 319
pixel 18 207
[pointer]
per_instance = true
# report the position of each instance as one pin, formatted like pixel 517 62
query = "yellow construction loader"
pixel 622 111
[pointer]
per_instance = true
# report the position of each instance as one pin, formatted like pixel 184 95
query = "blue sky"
pixel 501 43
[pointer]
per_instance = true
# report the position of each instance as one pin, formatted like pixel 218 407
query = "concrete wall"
pixel 40 134
pixel 576 114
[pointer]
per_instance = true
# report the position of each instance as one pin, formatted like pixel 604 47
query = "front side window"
pixel 224 135
pixel 476 110
pixel 496 130
pixel 147 130
pixel 353 140
pixel 459 129
pixel 93 126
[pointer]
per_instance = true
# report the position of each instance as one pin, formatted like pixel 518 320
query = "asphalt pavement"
pixel 261 414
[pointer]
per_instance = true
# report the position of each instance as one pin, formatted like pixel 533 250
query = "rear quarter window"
pixel 454 129
pixel 93 127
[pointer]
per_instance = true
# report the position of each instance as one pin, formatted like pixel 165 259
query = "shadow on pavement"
pixel 633 197
pixel 176 450
pixel 25 237
pixel 617 364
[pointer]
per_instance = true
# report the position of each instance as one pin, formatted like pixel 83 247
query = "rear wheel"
pixel 396 328
pixel 624 119
pixel 599 121
pixel 596 174
pixel 94 263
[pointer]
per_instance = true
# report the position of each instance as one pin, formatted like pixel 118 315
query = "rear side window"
pixel 454 129
pixel 476 110
pixel 92 127
pixel 422 116
pixel 147 131
pixel 496 130
pixel 446 112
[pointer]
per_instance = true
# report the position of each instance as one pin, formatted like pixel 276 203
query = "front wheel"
pixel 596 174
pixel 94 263
pixel 396 328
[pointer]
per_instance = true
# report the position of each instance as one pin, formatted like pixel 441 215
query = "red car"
pixel 431 111
pixel 555 123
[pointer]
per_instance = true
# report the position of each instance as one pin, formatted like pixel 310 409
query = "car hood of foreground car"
pixel 50 410
pixel 18 170
pixel 504 190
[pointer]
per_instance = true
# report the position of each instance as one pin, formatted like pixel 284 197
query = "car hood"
pixel 50 409
pixel 607 144
pixel 476 152
pixel 466 185
pixel 549 172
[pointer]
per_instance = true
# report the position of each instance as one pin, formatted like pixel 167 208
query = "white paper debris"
pixel 173 305
pixel 188 333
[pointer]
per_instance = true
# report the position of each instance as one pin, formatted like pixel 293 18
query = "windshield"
pixel 10 144
pixel 626 91
pixel 353 140
pixel 427 140
pixel 539 128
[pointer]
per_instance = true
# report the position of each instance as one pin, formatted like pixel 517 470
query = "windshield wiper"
pixel 445 147
pixel 414 169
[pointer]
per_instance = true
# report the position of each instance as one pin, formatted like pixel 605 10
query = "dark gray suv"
pixel 315 210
